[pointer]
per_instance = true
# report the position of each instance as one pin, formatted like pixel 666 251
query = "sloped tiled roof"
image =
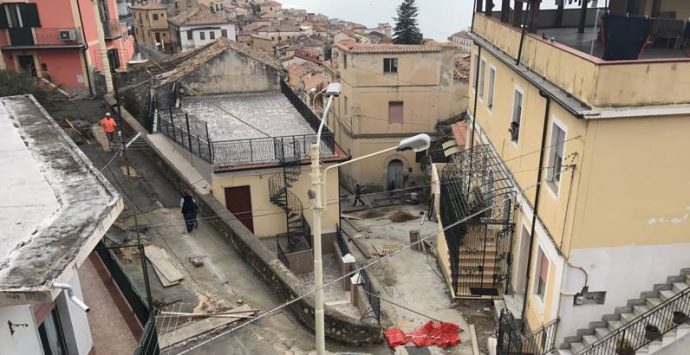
pixel 150 6
pixel 354 47
pixel 201 15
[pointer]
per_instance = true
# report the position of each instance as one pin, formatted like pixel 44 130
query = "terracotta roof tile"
pixel 201 15
pixel 354 47
pixel 150 6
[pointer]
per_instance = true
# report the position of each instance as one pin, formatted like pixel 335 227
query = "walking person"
pixel 189 211
pixel 358 195
pixel 109 126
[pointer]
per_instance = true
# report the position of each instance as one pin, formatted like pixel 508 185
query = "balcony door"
pixel 238 200
pixel 19 19
pixel 27 64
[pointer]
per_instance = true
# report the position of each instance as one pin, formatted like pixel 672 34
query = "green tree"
pixel 406 28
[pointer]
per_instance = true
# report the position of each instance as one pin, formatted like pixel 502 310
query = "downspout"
pixel 476 94
pixel 545 126
pixel 524 32
pixel 86 47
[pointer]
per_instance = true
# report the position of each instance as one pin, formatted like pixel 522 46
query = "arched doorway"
pixel 395 175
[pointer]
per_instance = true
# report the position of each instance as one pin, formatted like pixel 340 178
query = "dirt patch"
pixel 371 214
pixel 401 216
pixel 128 255
pixel 481 314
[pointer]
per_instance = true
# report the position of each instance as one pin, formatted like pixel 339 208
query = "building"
pixel 151 26
pixel 216 6
pixel 197 27
pixel 461 39
pixel 63 42
pixel 279 32
pixel 48 234
pixel 598 221
pixel 391 92
pixel 270 8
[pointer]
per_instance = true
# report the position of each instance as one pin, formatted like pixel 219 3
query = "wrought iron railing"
pixel 512 341
pixel 186 130
pixel 342 243
pixel 372 297
pixel 148 343
pixel 42 36
pixel 113 29
pixel 645 328
pixel 269 149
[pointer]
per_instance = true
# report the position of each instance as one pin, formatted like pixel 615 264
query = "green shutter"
pixel 29 15
pixel 3 17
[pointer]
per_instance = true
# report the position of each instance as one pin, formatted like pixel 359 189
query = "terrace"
pixel 643 44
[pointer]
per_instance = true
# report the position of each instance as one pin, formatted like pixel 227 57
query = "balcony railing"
pixel 646 328
pixel 113 29
pixel 512 341
pixel 43 37
pixel 269 149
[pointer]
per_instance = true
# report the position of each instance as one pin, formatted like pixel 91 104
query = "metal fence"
pixel 269 149
pixel 148 343
pixel 512 341
pixel 648 327
pixel 340 239
pixel 372 297
pixel 186 130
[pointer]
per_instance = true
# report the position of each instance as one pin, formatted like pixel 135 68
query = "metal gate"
pixel 512 341
pixel 477 201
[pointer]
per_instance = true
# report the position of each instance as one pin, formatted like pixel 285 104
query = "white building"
pixel 61 207
pixel 461 39
pixel 197 27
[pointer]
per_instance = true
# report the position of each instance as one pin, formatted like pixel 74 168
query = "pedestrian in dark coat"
pixel 189 211
pixel 358 195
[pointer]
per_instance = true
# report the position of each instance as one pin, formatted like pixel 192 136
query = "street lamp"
pixel 417 143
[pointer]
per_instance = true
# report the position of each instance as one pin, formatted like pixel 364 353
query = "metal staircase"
pixel 298 230
pixel 645 326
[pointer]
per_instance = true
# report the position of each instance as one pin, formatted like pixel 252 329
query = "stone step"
pixel 653 302
pixel 627 317
pixel 589 339
pixel 614 324
pixel 639 310
pixel 576 347
pixel 602 332
pixel 666 294
pixel 564 352
pixel 679 286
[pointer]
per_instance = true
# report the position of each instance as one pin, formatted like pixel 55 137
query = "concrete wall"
pixel 232 72
pixel 75 323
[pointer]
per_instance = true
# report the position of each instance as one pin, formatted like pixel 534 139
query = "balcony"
pixel 113 29
pixel 22 38
pixel 569 53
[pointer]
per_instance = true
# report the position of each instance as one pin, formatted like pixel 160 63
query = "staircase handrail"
pixel 635 322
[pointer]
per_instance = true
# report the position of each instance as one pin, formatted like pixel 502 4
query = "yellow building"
pixel 151 26
pixel 592 134
pixel 390 92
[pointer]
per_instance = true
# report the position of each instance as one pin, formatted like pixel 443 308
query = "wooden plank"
pixel 164 281
pixel 162 261
pixel 194 329
pixel 349 216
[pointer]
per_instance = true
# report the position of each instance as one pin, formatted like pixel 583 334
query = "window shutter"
pixel 29 15
pixel 395 112
pixel 544 270
pixel 3 17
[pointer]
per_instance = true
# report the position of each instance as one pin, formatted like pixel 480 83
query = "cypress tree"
pixel 406 28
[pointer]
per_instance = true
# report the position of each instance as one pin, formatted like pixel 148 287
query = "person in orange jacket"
pixel 109 126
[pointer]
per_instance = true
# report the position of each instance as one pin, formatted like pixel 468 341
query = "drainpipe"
pixel 104 50
pixel 524 31
pixel 476 94
pixel 72 296
pixel 545 126
pixel 83 52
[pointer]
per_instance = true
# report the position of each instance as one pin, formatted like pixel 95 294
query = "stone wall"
pixel 265 263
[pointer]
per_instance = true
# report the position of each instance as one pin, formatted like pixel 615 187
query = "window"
pixel 224 33
pixel 474 71
pixel 51 334
pixel 189 3
pixel 155 17
pixel 44 66
pixel 482 68
pixel 190 35
pixel 390 65
pixel 345 103
pixel 490 98
pixel 395 112
pixel 517 115
pixel 344 61
pixel 541 275
pixel 202 35
pixel 212 34
pixel 19 15
pixel 556 156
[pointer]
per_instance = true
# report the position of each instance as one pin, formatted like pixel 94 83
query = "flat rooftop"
pixel 269 112
pixel 55 204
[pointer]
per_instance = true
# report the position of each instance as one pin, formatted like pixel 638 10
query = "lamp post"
pixel 417 143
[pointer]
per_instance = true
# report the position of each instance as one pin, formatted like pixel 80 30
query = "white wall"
pixel 197 42
pixel 25 340
pixel 623 272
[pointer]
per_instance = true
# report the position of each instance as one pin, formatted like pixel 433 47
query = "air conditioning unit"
pixel 68 35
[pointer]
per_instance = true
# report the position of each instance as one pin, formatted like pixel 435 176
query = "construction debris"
pixel 401 216
pixel 166 271
pixel 196 261
pixel 197 328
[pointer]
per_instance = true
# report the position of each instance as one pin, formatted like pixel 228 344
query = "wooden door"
pixel 238 200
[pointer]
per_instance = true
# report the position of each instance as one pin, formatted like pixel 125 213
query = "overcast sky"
pixel 437 18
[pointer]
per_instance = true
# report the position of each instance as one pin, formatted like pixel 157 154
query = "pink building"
pixel 67 42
